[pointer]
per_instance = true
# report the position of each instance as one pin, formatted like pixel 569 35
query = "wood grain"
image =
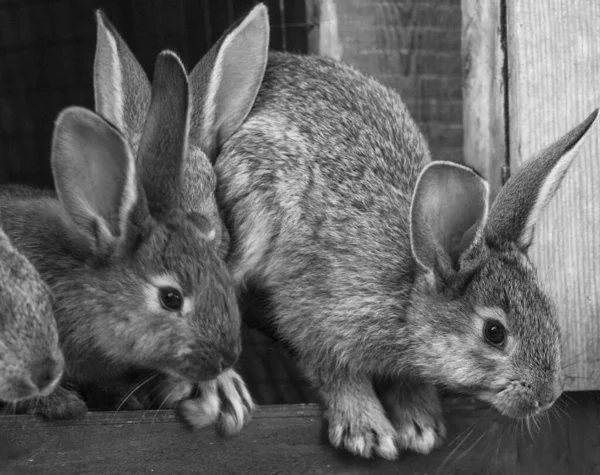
pixel 554 83
pixel 484 124
pixel 292 440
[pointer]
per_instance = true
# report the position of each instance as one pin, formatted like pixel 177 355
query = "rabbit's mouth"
pixel 23 389
pixel 518 400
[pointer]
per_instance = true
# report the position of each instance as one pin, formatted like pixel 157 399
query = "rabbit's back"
pixel 316 187
pixel 322 165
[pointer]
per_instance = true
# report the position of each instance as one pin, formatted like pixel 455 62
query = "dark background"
pixel 47 55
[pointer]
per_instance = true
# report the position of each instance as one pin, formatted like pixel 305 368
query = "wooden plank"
pixel 483 58
pixel 554 71
pixel 292 440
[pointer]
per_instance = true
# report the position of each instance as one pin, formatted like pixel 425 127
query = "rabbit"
pixel 137 280
pixel 227 397
pixel 31 361
pixel 388 274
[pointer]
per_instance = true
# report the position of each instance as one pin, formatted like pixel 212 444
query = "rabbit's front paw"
pixel 362 433
pixel 224 400
pixel 61 404
pixel 416 413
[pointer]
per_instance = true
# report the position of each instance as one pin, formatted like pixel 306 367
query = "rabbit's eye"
pixel 170 298
pixel 495 333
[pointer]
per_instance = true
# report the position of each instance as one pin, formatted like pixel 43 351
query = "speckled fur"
pixel 28 335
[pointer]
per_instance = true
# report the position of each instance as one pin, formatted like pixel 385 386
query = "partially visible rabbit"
pixel 387 274
pixel 138 282
pixel 115 70
pixel 31 362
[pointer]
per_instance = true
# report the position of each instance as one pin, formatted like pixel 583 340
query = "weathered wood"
pixel 292 440
pixel 483 57
pixel 554 83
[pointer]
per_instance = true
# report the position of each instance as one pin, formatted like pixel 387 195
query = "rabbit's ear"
pixel 121 87
pixel 520 202
pixel 448 212
pixel 94 175
pixel 224 84
pixel 163 146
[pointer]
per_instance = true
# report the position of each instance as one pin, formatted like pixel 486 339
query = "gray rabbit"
pixel 138 282
pixel 31 362
pixel 388 274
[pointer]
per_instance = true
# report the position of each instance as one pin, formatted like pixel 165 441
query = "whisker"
pixel 163 402
pixel 130 393
pixel 470 430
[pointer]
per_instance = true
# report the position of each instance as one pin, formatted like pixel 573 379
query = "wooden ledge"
pixel 292 440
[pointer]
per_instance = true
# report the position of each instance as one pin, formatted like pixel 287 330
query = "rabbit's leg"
pixel 224 400
pixel 356 418
pixel 61 404
pixel 415 410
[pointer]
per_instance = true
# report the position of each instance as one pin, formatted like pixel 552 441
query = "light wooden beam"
pixel 484 95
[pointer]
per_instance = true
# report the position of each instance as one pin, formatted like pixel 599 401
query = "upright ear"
pixel 224 84
pixel 94 175
pixel 121 87
pixel 163 146
pixel 448 212
pixel 520 202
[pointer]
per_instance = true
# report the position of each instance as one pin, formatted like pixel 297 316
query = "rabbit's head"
pixel 31 362
pixel 162 296
pixel 481 320
pixel 223 87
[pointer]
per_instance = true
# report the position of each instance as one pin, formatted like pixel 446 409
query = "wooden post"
pixel 484 107
pixel 554 83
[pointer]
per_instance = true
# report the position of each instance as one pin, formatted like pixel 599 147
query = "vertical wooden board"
pixel 483 58
pixel 554 83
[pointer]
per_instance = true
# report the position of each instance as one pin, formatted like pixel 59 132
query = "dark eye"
pixel 494 333
pixel 170 298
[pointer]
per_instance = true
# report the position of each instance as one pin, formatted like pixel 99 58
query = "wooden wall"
pixel 412 46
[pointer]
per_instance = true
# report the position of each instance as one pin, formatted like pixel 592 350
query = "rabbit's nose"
pixel 548 396
pixel 228 358
pixel 45 373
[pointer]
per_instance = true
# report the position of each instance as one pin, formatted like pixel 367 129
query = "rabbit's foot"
pixel 416 412
pixel 224 400
pixel 357 421
pixel 61 404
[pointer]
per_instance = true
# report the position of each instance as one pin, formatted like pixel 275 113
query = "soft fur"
pixel 114 237
pixel 31 362
pixel 382 269
pixel 122 96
